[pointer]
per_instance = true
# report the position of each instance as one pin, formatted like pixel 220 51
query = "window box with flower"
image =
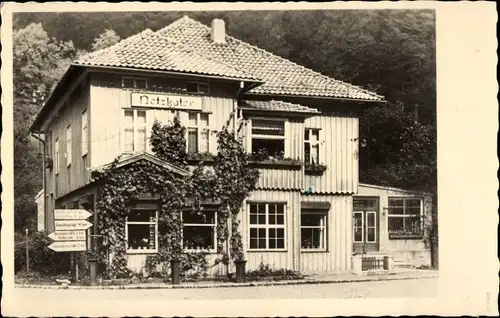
pixel 314 169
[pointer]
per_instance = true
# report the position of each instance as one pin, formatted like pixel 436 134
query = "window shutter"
pixel 322 147
pixel 213 133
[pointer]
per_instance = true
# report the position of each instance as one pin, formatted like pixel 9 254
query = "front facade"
pixel 300 217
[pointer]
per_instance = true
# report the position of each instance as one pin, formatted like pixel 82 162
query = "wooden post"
pixel 27 253
pixel 72 264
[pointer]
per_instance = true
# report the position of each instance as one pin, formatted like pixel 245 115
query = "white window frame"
pixel 362 226
pixel 267 227
pixel 56 156
pixel 127 223
pixel 374 226
pixel 199 129
pixel 214 225
pixel 198 91
pixel 85 133
pixel 312 143
pixel 69 145
pixel 323 227
pixel 135 129
pixel 269 137
pixel 404 215
pixel 134 79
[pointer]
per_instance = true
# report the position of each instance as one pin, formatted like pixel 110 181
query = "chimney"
pixel 218 31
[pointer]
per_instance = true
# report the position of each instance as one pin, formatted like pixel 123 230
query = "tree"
pixel 39 62
pixel 106 39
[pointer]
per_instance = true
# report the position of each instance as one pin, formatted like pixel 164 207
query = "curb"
pixel 233 285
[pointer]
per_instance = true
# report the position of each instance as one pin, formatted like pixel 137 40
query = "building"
pixel 306 216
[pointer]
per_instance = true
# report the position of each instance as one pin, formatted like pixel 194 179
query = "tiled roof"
pixel 275 105
pixel 150 50
pixel 281 76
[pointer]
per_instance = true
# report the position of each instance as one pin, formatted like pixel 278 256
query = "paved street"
pixel 38 298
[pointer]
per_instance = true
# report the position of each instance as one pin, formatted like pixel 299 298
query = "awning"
pixel 319 205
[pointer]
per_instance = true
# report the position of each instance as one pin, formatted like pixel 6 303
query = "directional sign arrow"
pixel 75 246
pixel 66 214
pixel 68 236
pixel 71 225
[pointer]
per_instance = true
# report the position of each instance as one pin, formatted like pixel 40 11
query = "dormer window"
pixel 134 82
pixel 197 87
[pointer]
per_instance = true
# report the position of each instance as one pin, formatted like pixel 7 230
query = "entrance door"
pixel 365 225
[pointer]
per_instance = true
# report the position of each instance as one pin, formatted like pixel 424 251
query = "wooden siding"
pixel 109 100
pixel 77 174
pixel 338 151
pixel 337 258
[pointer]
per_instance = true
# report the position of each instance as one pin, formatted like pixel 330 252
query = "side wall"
pixel 414 251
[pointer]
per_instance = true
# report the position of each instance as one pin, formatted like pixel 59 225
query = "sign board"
pixel 76 214
pixel 68 236
pixel 68 225
pixel 75 246
pixel 166 101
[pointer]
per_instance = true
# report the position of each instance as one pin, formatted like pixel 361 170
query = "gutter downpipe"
pixel 235 105
pixel 44 182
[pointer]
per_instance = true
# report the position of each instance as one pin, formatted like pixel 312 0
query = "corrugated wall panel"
pixel 339 246
pixel 108 100
pixel 339 137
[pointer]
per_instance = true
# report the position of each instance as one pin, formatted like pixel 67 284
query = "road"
pixel 45 298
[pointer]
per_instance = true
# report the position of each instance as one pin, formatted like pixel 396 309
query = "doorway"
pixel 365 220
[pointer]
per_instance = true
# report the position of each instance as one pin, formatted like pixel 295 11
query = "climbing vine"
pixel 228 183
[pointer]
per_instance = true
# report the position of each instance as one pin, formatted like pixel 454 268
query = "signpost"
pixel 70 234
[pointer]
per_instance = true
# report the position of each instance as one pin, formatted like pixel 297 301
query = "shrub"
pixel 41 259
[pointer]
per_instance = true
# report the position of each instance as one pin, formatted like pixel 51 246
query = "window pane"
pixel 253 234
pixel 395 223
pixel 192 87
pixel 203 88
pixel 358 234
pixel 315 135
pixel 142 216
pixel 306 134
pixel 198 237
pixel 254 243
pixel 275 148
pixel 415 203
pixel 272 243
pixel 129 118
pixel 129 140
pixel 315 154
pixel 141 118
pixel 193 140
pixel 311 238
pixel 412 225
pixel 370 235
pixel 307 152
pixel 193 119
pixel 272 233
pixel 395 202
pixel 281 233
pixel 141 140
pixel 141 236
pixel 205 217
pixel 268 127
pixel 370 219
pixel 358 219
pixel 140 83
pixel 311 219
pixel 281 243
pixel 396 210
pixel 204 140
pixel 128 82
pixel 204 120
pixel 280 208
pixel 280 219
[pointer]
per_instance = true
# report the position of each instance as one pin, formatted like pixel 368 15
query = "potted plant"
pixel 240 264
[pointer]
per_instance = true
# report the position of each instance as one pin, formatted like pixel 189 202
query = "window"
pixel 268 137
pixel 199 230
pixel 198 133
pixel 135 130
pixel 197 87
pixel 85 133
pixel 56 156
pixel 68 146
pixel 134 82
pixel 313 230
pixel 311 146
pixel 405 216
pixel 142 230
pixel 359 229
pixel 267 226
